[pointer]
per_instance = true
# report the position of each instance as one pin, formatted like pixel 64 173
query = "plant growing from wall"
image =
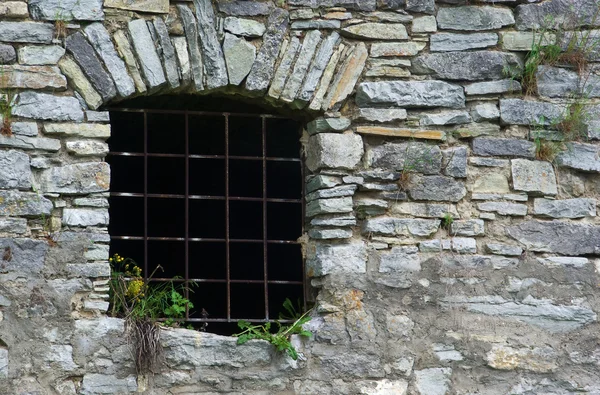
pixel 281 337
pixel 142 303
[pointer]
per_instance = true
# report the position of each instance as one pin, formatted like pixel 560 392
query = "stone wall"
pixel 418 117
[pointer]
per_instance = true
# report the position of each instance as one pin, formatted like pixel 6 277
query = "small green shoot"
pixel 447 220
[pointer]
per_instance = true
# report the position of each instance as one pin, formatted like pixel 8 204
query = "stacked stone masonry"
pixel 445 258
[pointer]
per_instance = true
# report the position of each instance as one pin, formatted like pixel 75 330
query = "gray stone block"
pixel 559 13
pixel 13 225
pixel 467 227
pixel 504 208
pixel 191 33
pixel 504 249
pixel 244 27
pixel 454 162
pixel 580 156
pixel 376 31
pixel 317 67
pixel 316 24
pixel 557 237
pixel 493 87
pixel 469 66
pixel 339 205
pixel 443 42
pixel 7 54
pixel 450 117
pixel 85 217
pixel 361 5
pixel 326 259
pixel 533 177
pixel 212 54
pixel 264 65
pixel 568 208
pixel 79 178
pixel 86 57
pixel 333 150
pixel 27 256
pixel 390 226
pixel 38 54
pixel 28 204
pixel 437 188
pixel 26 32
pixel 303 61
pixel 45 106
pixel 474 18
pixel 410 94
pixel 245 8
pixel 239 56
pixel 423 6
pixel 143 45
pixel 433 381
pixel 527 112
pixel 503 147
pixel 410 157
pixel 67 10
pixel 15 171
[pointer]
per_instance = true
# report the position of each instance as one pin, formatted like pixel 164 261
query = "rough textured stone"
pixel 346 78
pixel 454 162
pixel 191 33
pixel 26 32
pixel 504 208
pixel 86 57
pixel 14 9
pixel 303 61
pixel 33 77
pixel 77 178
pixel 323 125
pixel 461 245
pixel 37 55
pixel 380 387
pixel 87 148
pixel 317 68
pixel 382 114
pixel 343 190
pixel 534 177
pixel 214 62
pixel 400 259
pixel 183 58
pixel 442 42
pixel 30 143
pixel 539 312
pixel 264 65
pixel 564 261
pixel 316 24
pixel 474 18
pixel 525 112
pixel 362 5
pixel 561 12
pixel 410 48
pixel 503 147
pixel 89 130
pixel 451 117
pixel 523 41
pixel 66 10
pixel 245 8
pixel 329 206
pixel 124 49
pixel 13 225
pixel 540 360
pixel 485 112
pixel 143 45
pixel 7 54
pixel 244 27
pixel 469 227
pixel 318 101
pixel 424 6
pixel 401 132
pixel 504 249
pixel 95 383
pixel 44 106
pixel 84 217
pixel 433 381
pixel 580 156
pixel 27 255
pixel 15 171
pixel 14 203
pixel 410 94
pixel 470 66
pixel 377 31
pixel 156 6
pixel 569 208
pixel 288 55
pixel 491 183
pixel 424 24
pixel 438 188
pixel 557 237
pixel 493 87
pixel 413 157
pixel 80 82
pixel 401 226
pixel 239 56
pixel 325 259
pixel 332 150
pixel 426 210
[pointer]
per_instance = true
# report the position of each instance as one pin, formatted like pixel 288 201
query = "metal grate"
pixel 254 175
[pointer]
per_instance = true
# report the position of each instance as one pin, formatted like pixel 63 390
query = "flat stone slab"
pixel 561 12
pixel 143 45
pixel 39 55
pixel 26 32
pixel 469 66
pixel 325 259
pixel 474 18
pixel 410 94
pixel 580 156
pixel 503 147
pixel 79 178
pixel 533 177
pixel 239 56
pixel 27 256
pixel 493 87
pixel 214 62
pixel 527 112
pixel 568 208
pixel 438 188
pixel 15 171
pixel 85 217
pixel 390 226
pixel 332 150
pixel 45 106
pixel 33 77
pixel 377 31
pixel 154 6
pixel 442 42
pixel 412 157
pixel 67 10
pixel 244 27
pixel 557 237
pixel 27 204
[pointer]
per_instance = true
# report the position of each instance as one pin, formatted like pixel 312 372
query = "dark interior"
pixel 206 182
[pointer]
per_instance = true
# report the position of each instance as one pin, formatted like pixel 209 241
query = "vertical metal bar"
pixel 187 215
pixel 302 221
pixel 227 268
pixel 264 212
pixel 146 272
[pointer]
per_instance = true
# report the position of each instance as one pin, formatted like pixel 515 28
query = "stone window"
pixel 216 198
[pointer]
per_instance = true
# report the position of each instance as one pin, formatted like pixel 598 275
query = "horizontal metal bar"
pixel 231 320
pixel 188 112
pixel 204 197
pixel 224 281
pixel 193 156
pixel 202 239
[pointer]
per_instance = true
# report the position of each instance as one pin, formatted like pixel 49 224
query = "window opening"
pixel 215 198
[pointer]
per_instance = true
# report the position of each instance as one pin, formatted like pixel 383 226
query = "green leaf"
pixel 243 339
pixel 243 324
pixel 305 333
